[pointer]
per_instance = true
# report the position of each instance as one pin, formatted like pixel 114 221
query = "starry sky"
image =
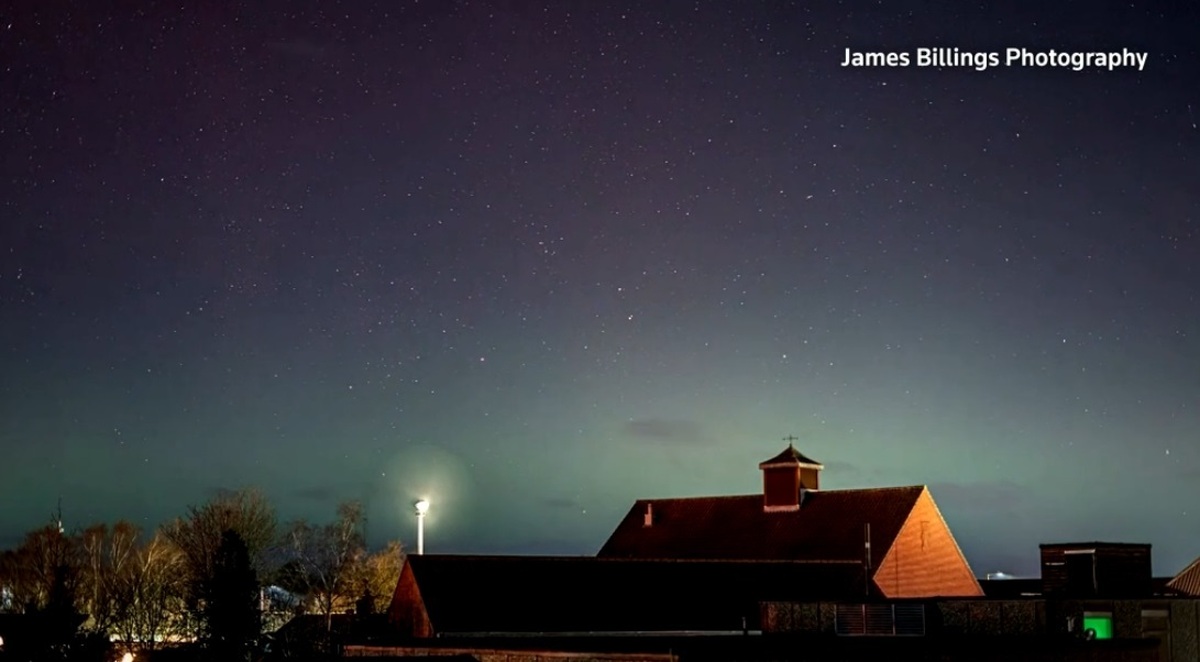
pixel 537 260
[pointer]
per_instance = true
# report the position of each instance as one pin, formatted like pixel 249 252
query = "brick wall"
pixel 1185 626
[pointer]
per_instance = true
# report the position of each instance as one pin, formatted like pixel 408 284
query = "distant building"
pixel 897 533
pixel 1095 592
pixel 1095 569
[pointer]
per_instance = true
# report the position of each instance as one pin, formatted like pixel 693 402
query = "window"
pixel 1156 623
pixel 1099 622
pixel 903 619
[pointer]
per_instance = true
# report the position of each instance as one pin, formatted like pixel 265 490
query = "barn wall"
pixel 407 613
pixel 925 560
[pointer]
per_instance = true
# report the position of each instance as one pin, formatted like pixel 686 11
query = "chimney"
pixel 786 477
pixel 648 518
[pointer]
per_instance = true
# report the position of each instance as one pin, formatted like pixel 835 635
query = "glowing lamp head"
pixel 422 506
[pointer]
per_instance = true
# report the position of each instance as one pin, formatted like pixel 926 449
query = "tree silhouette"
pixel 231 612
pixel 198 536
pixel 52 631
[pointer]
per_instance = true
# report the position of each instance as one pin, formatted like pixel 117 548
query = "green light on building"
pixel 1101 623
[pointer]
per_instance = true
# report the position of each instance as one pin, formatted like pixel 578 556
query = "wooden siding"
pixel 925 561
pixel 407 611
pixel 781 486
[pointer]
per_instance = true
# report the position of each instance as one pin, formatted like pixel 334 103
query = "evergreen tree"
pixel 232 617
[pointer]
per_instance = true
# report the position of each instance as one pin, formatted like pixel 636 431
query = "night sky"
pixel 536 261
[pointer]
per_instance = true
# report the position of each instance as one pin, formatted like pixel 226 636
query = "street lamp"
pixel 422 508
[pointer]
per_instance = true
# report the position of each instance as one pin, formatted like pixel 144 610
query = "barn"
pixel 700 565
pixel 897 533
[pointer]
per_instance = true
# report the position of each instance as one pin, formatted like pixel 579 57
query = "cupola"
pixel 786 477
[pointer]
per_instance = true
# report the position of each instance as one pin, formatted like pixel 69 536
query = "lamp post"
pixel 422 508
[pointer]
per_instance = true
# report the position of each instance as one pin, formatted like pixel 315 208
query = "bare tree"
pixel 378 575
pixel 198 536
pixel 325 559
pixel 107 556
pixel 246 512
pixel 48 576
pixel 47 561
pixel 16 575
pixel 124 586
pixel 150 595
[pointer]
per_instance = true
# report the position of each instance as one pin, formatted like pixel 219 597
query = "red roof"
pixel 829 526
pixel 1187 581
pixel 790 457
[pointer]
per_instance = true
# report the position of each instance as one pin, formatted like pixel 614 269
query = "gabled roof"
pixel 790 457
pixel 1187 581
pixel 829 525
pixel 549 594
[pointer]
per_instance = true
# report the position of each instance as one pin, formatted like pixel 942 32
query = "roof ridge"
pixel 877 489
pixel 758 495
pixel 708 498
